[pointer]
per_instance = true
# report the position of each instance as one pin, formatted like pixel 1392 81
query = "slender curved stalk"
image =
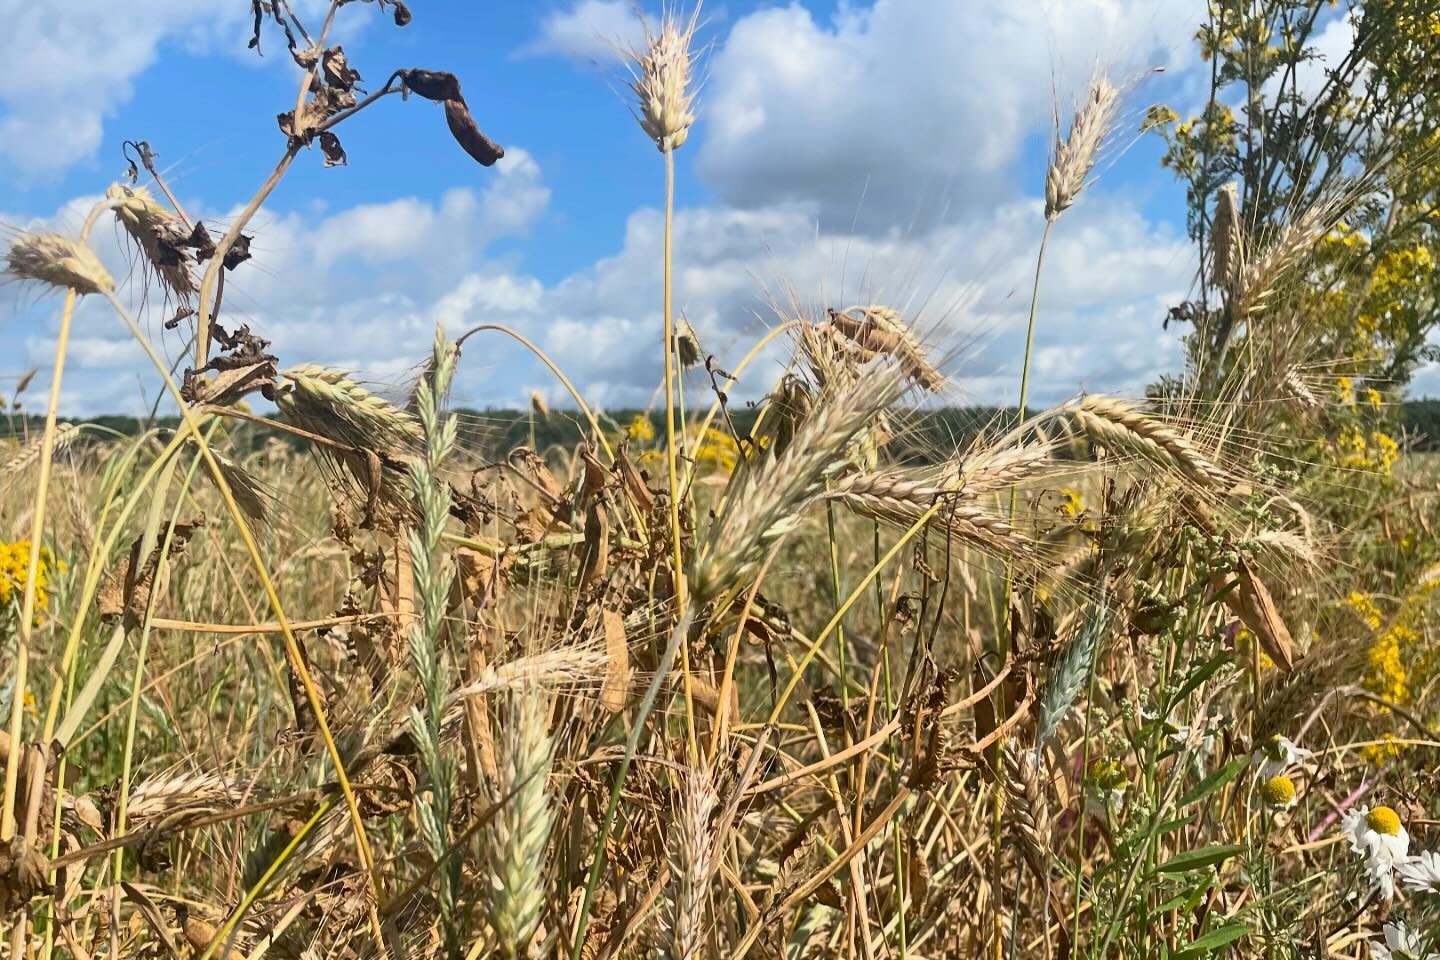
pixel 559 375
pixel 292 645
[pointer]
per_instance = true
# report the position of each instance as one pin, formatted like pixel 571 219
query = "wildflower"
pixel 1401 943
pixel 1106 787
pixel 1277 755
pixel 641 429
pixel 1422 874
pixel 1072 503
pixel 1378 835
pixel 1278 792
pixel 15 571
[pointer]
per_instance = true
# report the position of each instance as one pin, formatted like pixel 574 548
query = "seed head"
pixel 1075 155
pixel 59 261
pixel 660 78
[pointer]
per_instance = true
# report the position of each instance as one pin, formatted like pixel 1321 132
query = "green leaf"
pixel 1208 943
pixel 1199 859
pixel 1215 781
pixel 1204 672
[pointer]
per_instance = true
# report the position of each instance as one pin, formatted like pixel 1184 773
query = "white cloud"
pixel 65 66
pixel 588 30
pixel 921 108
pixel 909 111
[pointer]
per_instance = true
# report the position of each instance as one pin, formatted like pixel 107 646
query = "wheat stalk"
pixel 660 79
pixel 58 261
pixel 1258 279
pixel 690 852
pixel 1227 256
pixel 878 329
pixel 333 404
pixel 163 793
pixel 886 497
pixel 1067 676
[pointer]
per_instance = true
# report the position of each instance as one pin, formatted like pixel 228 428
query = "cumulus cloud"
pixel 913 113
pixel 65 67
pixel 588 30
pixel 910 110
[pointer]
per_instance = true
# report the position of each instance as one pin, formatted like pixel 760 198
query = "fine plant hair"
pixel 765 499
pixel 1074 155
pixel 520 833
pixel 57 261
pixel 432 586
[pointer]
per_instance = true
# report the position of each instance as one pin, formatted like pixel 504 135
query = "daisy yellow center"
pixel 1278 790
pixel 1384 820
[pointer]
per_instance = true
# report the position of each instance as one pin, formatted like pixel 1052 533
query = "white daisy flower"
pixel 1278 792
pixel 1277 755
pixel 1422 873
pixel 1401 943
pixel 1378 835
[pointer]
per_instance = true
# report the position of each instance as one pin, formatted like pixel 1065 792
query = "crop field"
pixel 316 666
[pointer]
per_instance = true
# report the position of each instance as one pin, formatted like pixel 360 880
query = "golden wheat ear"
pixel 57 261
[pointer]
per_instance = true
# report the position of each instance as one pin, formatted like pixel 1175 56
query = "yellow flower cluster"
pixel 1366 608
pixel 14 572
pixel 717 449
pixel 1387 677
pixel 1375 451
pixel 640 430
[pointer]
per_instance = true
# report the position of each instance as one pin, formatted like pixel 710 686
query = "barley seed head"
pixel 660 78
pixel 59 261
pixel 1075 154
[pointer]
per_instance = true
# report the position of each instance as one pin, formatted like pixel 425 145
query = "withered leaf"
pixel 467 133
pixel 1250 600
pixel 432 84
pixel 337 70
pixel 128 594
pixel 402 14
pixel 199 240
pixel 615 690
pixel 596 550
pixel 334 153
pixel 230 385
pixel 239 252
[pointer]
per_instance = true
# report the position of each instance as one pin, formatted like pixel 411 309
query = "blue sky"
pixel 890 151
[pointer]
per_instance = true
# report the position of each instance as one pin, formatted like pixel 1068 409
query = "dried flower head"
pixel 1075 154
pixel 59 261
pixel 161 236
pixel 660 77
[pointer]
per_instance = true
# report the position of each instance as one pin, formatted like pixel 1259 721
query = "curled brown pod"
pixel 467 133
pixel 432 84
